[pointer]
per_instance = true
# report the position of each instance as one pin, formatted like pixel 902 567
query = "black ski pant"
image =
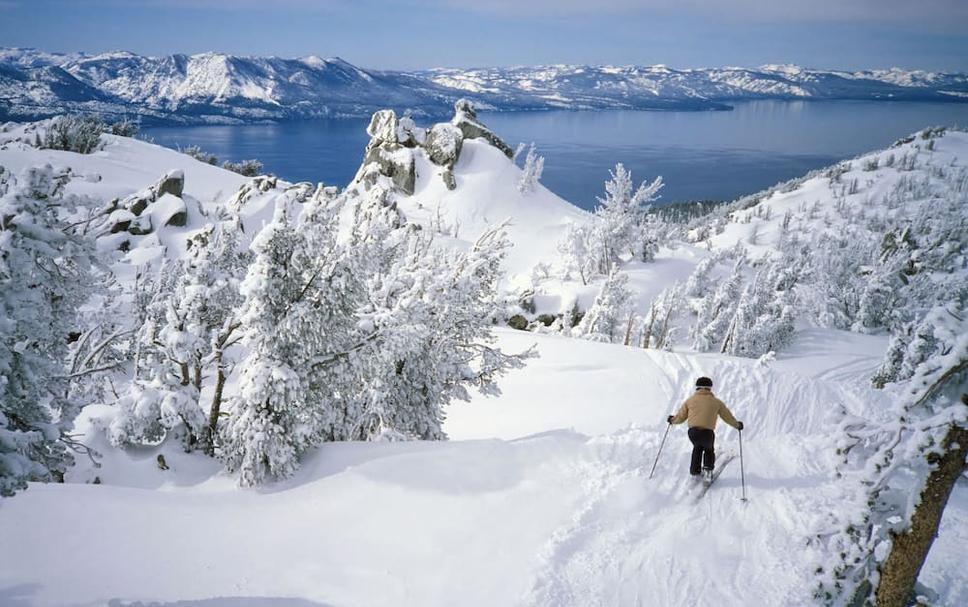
pixel 703 454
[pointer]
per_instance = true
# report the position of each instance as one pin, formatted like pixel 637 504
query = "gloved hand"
pixel 669 419
pixel 739 425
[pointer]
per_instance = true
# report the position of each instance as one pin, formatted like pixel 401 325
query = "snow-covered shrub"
pixel 199 154
pixel 607 319
pixel 81 134
pixel 249 168
pixel 125 128
pixel 44 278
pixel 531 171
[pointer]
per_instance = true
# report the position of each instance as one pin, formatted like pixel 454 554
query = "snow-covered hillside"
pixel 542 495
pixel 214 87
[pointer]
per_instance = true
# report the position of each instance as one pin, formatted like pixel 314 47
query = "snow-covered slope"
pixel 214 87
pixel 556 510
pixel 543 495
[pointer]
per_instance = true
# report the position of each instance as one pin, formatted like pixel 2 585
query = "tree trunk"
pixel 216 404
pixel 910 549
pixel 628 329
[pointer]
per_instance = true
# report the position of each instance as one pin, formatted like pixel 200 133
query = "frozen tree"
pixel 357 327
pixel 577 249
pixel 658 326
pixel 433 310
pixel 606 319
pixel 531 171
pixel 125 127
pixel 698 283
pixel 297 317
pixel 160 396
pixel 621 226
pixel 199 154
pixel 764 317
pixel 44 278
pixel 621 215
pixel 904 464
pixel 718 308
pixel 189 325
pixel 100 349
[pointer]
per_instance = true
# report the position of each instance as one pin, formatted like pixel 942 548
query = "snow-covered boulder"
pixel 465 118
pixel 443 144
pixel 172 183
pixel 409 134
pixel 383 127
pixel 386 156
pixel 169 210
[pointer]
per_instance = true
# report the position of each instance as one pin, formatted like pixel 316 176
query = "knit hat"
pixel 704 382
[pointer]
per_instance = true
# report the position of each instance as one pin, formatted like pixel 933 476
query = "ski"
pixel 719 470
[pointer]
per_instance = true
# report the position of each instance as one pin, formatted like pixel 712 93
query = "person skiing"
pixel 702 411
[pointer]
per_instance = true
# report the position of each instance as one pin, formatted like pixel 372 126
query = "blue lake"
pixel 700 155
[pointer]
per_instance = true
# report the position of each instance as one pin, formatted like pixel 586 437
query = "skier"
pixel 702 410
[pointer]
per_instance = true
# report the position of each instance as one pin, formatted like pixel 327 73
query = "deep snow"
pixel 558 510
pixel 542 496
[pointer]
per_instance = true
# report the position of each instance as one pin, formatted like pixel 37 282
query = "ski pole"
pixel 742 472
pixel 660 450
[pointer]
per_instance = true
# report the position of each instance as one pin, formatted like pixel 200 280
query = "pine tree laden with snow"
pixel 606 318
pixel 45 275
pixel 531 171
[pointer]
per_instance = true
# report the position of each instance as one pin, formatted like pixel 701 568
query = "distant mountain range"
pixel 218 88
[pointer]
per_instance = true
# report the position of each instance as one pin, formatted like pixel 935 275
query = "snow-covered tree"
pixel 621 226
pixel 904 465
pixel 433 310
pixel 531 171
pixel 190 322
pixel 297 315
pixel 249 168
pixel 621 215
pixel 657 329
pixel 161 396
pixel 45 275
pixel 607 318
pixel 358 327
pixel 577 249
pixel 764 317
pixel 717 309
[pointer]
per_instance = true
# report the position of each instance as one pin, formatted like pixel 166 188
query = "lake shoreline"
pixel 701 155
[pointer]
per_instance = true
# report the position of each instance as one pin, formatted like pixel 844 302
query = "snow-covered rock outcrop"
pixel 458 178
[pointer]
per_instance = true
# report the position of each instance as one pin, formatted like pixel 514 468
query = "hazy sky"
pixel 848 34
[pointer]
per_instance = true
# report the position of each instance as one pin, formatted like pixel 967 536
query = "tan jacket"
pixel 702 410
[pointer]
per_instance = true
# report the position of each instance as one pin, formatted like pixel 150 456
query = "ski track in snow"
pixel 635 538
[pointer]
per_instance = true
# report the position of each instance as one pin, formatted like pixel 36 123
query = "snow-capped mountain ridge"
pixel 218 87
